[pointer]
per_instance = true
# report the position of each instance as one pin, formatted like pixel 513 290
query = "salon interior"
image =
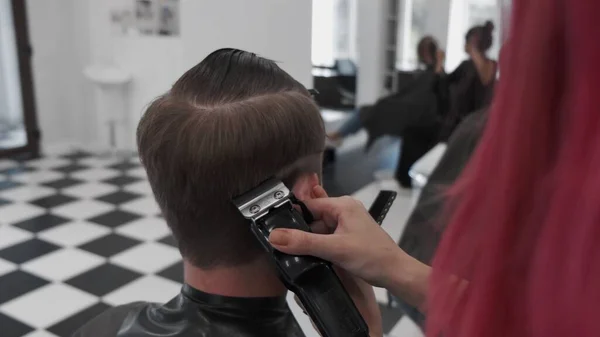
pixel 80 230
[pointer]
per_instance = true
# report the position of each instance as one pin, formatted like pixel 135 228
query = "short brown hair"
pixel 227 124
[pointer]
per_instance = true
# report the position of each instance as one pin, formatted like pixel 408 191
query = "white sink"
pixel 107 75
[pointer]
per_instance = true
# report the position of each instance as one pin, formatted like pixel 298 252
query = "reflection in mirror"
pixel 424 17
pixel 12 130
pixel 413 27
pixel 465 14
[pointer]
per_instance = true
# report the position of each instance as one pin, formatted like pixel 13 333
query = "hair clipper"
pixel 313 280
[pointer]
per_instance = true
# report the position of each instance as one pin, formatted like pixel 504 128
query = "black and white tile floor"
pixel 79 234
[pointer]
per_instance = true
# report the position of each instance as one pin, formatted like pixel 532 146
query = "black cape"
pixel 465 94
pixel 193 313
pixel 430 101
pixel 415 105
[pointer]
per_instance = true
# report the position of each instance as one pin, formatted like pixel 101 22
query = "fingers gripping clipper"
pixel 270 206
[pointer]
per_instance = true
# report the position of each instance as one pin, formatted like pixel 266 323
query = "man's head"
pixel 226 125
pixel 427 49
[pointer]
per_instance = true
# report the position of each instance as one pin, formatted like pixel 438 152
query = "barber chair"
pixel 336 84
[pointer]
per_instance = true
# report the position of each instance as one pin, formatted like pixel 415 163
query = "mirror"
pixel 12 126
pixel 18 127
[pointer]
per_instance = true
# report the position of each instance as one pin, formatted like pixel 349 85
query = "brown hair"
pixel 427 46
pixel 483 34
pixel 227 124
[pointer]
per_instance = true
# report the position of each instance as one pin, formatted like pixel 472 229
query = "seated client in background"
pixel 413 113
pixel 226 125
pixel 466 90
pixel 414 104
pixel 470 87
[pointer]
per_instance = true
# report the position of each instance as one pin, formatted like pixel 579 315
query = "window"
pixel 465 14
pixel 333 27
pixel 414 27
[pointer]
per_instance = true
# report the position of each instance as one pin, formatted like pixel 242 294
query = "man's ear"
pixel 304 186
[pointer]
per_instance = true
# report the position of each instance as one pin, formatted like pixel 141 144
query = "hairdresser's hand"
pixel 356 243
pixel 352 240
pixel 361 292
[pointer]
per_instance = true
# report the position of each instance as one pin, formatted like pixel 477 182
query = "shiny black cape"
pixel 198 314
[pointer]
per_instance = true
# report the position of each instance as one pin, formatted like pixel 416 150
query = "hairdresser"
pixel 414 104
pixel 470 86
pixel 520 254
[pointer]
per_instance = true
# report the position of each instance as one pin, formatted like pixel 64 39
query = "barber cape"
pixel 415 105
pixel 193 313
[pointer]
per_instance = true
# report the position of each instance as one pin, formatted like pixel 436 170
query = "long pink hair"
pixel 521 255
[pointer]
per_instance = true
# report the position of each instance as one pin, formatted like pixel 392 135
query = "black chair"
pixel 336 84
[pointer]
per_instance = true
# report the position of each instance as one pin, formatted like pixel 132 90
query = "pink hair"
pixel 525 231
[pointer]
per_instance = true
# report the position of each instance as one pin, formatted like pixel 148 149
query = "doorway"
pixel 19 133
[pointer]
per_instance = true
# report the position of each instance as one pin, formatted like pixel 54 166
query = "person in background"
pixel 426 223
pixel 400 102
pixel 227 124
pixel 519 256
pixel 470 86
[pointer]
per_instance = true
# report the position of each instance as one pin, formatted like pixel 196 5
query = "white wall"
pixel 323 37
pixel 279 30
pixel 154 62
pixel 438 20
pixel 56 64
pixel 371 43
pixel 68 35
pixel 333 31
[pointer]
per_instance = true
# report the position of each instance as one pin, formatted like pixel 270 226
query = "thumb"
pixel 297 242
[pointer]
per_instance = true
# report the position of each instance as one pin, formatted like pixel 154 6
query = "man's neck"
pixel 255 279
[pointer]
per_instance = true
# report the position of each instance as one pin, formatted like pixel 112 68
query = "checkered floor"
pixel 79 234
